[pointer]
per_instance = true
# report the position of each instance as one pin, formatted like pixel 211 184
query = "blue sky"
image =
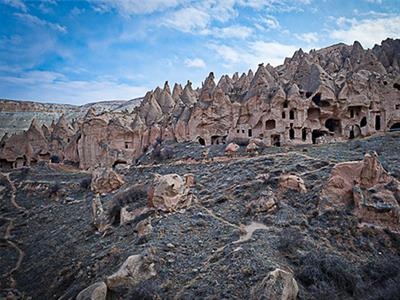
pixel 84 51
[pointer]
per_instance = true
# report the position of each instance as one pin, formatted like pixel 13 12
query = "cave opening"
pixel 363 122
pixel 333 125
pixel 270 124
pixel 291 133
pixel 395 127
pixel 119 162
pixel 317 99
pixel 378 122
pixel 202 141
pixel 276 140
pixel 316 134
pixel 304 134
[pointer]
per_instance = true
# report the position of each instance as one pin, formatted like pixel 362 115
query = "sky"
pixel 85 51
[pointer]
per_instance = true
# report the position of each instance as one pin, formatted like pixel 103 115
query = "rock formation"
pixel 366 185
pixel 333 94
pixel 277 285
pixel 170 192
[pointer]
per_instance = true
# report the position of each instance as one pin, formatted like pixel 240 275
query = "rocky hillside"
pixel 243 229
pixel 337 93
pixel 16 116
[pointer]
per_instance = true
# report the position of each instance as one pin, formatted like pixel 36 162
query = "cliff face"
pixel 336 93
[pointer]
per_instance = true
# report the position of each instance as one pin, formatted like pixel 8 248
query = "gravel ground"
pixel 194 249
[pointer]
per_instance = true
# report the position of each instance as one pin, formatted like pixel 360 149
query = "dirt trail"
pixel 8 233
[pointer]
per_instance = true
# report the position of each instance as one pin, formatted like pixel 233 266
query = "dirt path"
pixel 8 233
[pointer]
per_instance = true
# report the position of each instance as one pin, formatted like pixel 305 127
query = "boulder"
pixel 252 147
pixel 100 218
pixel 277 285
pixel 170 192
pixel 136 269
pixel 105 180
pixel 144 228
pixel 127 216
pixel 292 182
pixel 232 148
pixel 266 203
pixel 96 291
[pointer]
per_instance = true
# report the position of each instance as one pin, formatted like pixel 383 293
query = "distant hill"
pixel 16 115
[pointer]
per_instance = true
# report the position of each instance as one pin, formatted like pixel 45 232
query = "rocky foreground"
pixel 271 223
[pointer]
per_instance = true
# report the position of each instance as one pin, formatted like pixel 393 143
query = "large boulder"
pixel 136 269
pixel 105 180
pixel 170 192
pixel 96 291
pixel 231 148
pixel 277 285
pixel 368 186
pixel 265 204
pixel 292 182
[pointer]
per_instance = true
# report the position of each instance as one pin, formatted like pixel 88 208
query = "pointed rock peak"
pixel 137 122
pixel 157 92
pixel 34 124
pixel 177 91
pixel 298 54
pixel 294 90
pixel 188 85
pixel 250 74
pixel 235 76
pixel 209 82
pixel 260 65
pixel 91 113
pixel 167 88
pixel 357 45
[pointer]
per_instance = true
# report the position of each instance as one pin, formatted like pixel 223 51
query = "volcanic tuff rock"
pixel 366 185
pixel 333 94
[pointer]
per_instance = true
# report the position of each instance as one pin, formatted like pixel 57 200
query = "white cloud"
pixel 254 53
pixel 133 7
pixel 229 32
pixel 16 4
pixel 60 89
pixel 308 37
pixel 275 5
pixel 271 22
pixel 188 19
pixel 368 31
pixel 36 21
pixel 197 17
pixel 195 63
